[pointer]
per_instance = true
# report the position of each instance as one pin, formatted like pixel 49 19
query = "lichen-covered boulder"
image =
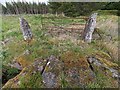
pixel 68 70
pixel 41 73
pixel 52 73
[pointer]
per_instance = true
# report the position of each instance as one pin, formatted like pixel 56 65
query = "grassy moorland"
pixel 61 37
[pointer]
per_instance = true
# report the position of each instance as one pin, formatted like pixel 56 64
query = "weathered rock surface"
pixel 49 70
pixel 98 63
pixel 71 70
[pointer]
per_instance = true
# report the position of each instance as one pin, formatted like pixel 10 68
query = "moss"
pixel 105 59
pixel 103 54
pixel 23 60
pixel 31 81
pixel 76 66
pixel 108 63
pixel 73 59
pixel 25 79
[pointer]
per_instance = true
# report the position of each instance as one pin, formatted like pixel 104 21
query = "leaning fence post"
pixel 89 28
pixel 26 30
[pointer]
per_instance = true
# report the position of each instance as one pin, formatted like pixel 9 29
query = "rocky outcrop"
pixel 49 69
pixel 95 61
pixel 69 70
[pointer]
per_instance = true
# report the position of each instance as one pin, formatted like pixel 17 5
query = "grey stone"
pixel 26 30
pixel 89 28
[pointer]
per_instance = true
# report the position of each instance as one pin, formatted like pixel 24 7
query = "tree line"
pixel 81 8
pixel 24 8
pixel 68 8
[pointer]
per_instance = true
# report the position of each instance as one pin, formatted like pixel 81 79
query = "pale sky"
pixel 3 1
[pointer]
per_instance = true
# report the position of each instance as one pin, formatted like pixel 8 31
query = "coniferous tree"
pixel 71 9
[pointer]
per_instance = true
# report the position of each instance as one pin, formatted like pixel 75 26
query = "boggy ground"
pixel 58 57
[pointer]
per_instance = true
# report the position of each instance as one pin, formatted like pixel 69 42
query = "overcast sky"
pixel 3 1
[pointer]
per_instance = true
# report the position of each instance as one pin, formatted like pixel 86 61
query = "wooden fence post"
pixel 89 28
